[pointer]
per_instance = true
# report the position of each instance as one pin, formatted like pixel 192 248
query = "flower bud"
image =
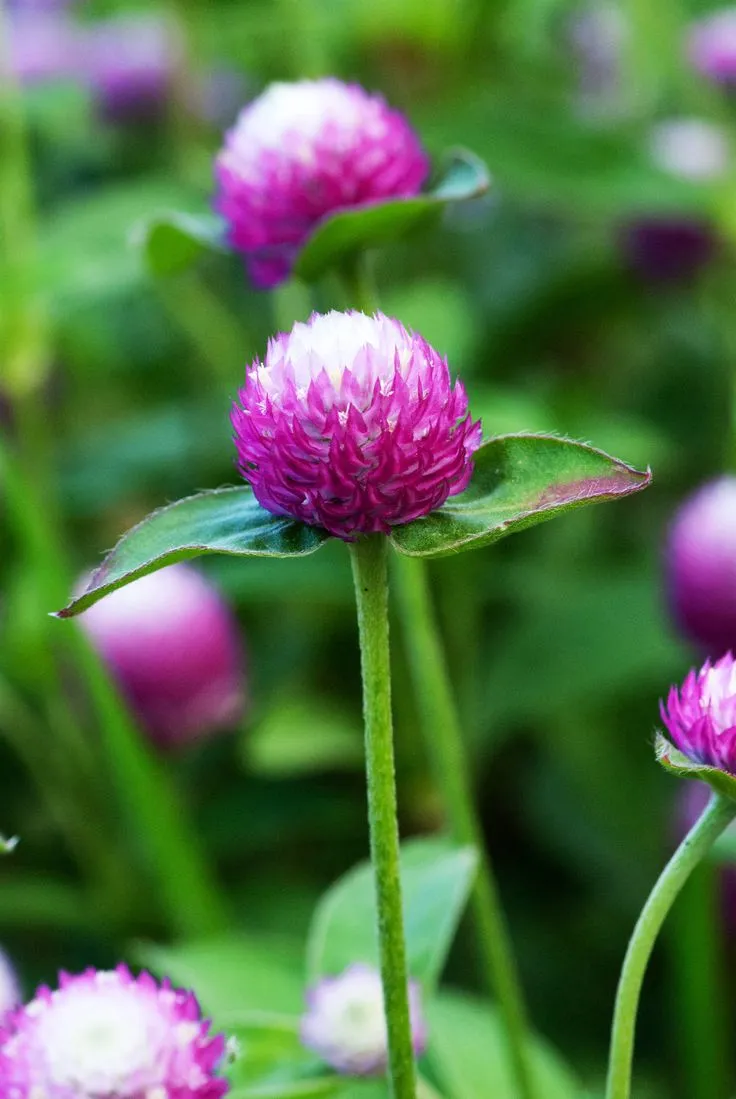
pixel 299 153
pixel 700 566
pixel 172 644
pixel 112 1035
pixel 353 424
pixel 345 1021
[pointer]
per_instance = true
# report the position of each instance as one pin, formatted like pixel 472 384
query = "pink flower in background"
pixel 352 423
pixel 345 1021
pixel 298 153
pixel 711 45
pixel 172 643
pixel 701 715
pixel 109 1035
pixel 43 46
pixel 700 566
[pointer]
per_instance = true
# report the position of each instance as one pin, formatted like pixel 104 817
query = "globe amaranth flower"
pixel 711 46
pixel 172 643
pixel 700 566
pixel 302 151
pixel 701 715
pixel 352 423
pixel 109 1035
pixel 345 1021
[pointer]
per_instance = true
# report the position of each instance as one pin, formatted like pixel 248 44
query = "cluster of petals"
pixel 353 424
pixel 302 151
pixel 701 715
pixel 172 643
pixel 712 45
pixel 109 1035
pixel 345 1021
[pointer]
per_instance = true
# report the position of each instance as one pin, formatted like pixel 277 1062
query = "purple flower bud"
pixel 300 152
pixel 172 643
pixel 700 564
pixel 112 1035
pixel 712 46
pixel 668 249
pixel 353 424
pixel 131 63
pixel 345 1021
pixel 701 715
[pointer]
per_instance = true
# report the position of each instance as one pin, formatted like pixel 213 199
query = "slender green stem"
pixel 718 813
pixel 370 574
pixel 700 992
pixel 441 727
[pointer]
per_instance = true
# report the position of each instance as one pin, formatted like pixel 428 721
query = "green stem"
pixel 441 727
pixel 718 813
pixel 700 990
pixel 370 574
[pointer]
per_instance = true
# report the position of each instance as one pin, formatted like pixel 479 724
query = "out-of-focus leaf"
pixel 271 1061
pixel 233 976
pixel 461 176
pixel 299 735
pixel 228 520
pixel 468 1053
pixel 436 880
pixel 173 241
pixel 519 481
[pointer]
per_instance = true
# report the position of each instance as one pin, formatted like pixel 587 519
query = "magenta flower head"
pixel 345 1021
pixel 711 46
pixel 701 715
pixel 109 1035
pixel 700 566
pixel 172 644
pixel 302 151
pixel 352 423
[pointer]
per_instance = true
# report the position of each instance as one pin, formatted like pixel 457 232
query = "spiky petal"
pixel 352 423
pixel 345 1021
pixel 701 715
pixel 300 152
pixel 109 1035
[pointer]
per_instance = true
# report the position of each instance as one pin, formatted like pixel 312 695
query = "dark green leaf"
pixel 173 241
pixel 436 879
pixel 467 1052
pixel 347 232
pixel 519 481
pixel 227 520
pixel 678 764
pixel 232 977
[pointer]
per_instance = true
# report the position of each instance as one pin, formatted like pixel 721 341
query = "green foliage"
pixel 436 880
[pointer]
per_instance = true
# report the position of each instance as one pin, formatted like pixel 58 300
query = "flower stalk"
pixel 369 564
pixel 719 812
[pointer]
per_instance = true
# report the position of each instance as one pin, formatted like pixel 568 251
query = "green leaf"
pixel 467 1053
pixel 271 1061
pixel 461 176
pixel 173 241
pixel 436 879
pixel 680 765
pixel 303 734
pixel 232 976
pixel 519 481
pixel 227 520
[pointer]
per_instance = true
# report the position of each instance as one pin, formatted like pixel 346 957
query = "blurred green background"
pixel 558 317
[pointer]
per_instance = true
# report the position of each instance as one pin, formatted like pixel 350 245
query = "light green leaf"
pixel 467 1053
pixel 228 520
pixel 232 977
pixel 347 232
pixel 519 481
pixel 436 879
pixel 173 241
